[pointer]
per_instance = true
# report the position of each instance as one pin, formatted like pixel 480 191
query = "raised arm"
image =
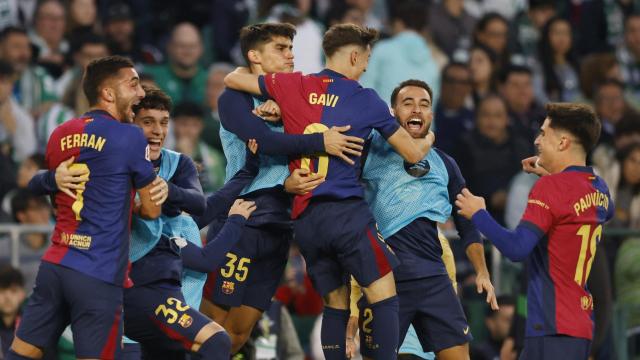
pixel 242 79
pixel 412 150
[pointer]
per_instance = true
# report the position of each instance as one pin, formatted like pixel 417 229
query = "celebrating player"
pixel 335 229
pixel 90 242
pixel 557 235
pixel 244 286
pixel 408 201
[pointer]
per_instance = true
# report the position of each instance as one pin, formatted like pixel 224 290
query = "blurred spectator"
pixel 227 18
pixel 498 323
pixel 526 27
pixel 623 178
pixel 49 27
pixel 275 337
pixel 506 8
pixel 341 13
pixel 557 73
pixel 492 31
pixel 517 198
pixel 120 32
pixel 28 168
pixel 28 209
pixel 490 155
pixel 7 180
pixel 526 114
pixel 215 86
pixel 12 295
pixel 588 24
pixel 451 26
pixel 83 16
pixel 482 63
pixel 595 69
pixel 34 89
pixel 16 12
pixel 627 280
pixel 367 7
pixel 628 54
pixel 182 77
pixel 297 292
pixel 452 118
pixel 84 49
pixel 386 69
pixel 307 44
pixel 188 121
pixel 611 107
pixel 17 133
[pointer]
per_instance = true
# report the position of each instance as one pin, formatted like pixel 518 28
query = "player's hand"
pixel 252 163
pixel 483 283
pixel 68 179
pixel 340 145
pixel 530 165
pixel 160 191
pixel 301 181
pixel 242 207
pixel 431 137
pixel 351 348
pixel 269 111
pixel 469 204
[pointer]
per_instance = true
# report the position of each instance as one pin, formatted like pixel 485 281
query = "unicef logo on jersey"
pixel 419 169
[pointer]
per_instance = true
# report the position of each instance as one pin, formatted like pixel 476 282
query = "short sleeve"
pixel 277 85
pixel 538 214
pixel 140 165
pixel 380 114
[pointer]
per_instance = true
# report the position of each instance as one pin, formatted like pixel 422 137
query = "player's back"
pixel 569 208
pixel 92 231
pixel 314 103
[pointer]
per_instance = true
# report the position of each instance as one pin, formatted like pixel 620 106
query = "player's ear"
pixel 354 57
pixel 254 57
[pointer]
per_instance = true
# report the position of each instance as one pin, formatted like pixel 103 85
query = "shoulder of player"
pixel 446 158
pixel 185 161
pixel 233 96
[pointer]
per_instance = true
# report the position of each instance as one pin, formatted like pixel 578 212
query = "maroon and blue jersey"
pixel 567 210
pixel 313 104
pixel 92 231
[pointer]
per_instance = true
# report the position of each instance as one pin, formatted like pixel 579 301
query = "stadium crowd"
pixel 492 64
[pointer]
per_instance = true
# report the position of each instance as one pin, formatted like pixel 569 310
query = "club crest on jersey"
pixel 228 287
pixel 418 169
pixel 586 302
pixel 185 321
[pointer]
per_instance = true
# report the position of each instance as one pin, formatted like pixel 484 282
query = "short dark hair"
pixel 347 34
pixel 188 109
pixel 6 70
pixel 255 36
pixel 410 82
pixel 412 13
pixel 23 199
pixel 578 119
pixel 10 276
pixel 513 69
pixel 100 70
pixel 10 30
pixel 77 43
pixel 154 98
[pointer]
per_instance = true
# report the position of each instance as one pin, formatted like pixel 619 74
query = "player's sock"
pixel 334 332
pixel 12 355
pixel 217 347
pixel 385 328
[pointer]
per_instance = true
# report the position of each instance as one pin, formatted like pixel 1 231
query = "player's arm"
pixel 210 257
pixel 242 79
pixel 514 244
pixel 64 179
pixel 150 187
pixel 148 208
pixel 185 191
pixel 219 202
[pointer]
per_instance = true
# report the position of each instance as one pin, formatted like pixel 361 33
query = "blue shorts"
pixel 432 307
pixel 555 347
pixel 338 239
pixel 63 296
pixel 131 352
pixel 157 316
pixel 253 269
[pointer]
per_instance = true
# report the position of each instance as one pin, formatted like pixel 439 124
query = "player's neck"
pixel 341 68
pixel 257 69
pixel 564 162
pixel 110 109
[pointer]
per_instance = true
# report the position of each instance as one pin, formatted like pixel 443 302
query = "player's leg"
pixel 96 320
pixel 556 347
pixel 212 343
pixel 440 322
pixel 335 317
pixel 239 324
pixel 44 317
pixel 214 312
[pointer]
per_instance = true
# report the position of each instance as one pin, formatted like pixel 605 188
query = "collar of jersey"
pixel 332 74
pixel 586 169
pixel 97 112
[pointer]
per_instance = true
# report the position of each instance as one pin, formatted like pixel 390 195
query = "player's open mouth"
pixel 414 124
pixel 155 144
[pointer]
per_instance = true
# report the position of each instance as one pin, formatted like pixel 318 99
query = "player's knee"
pixel 238 339
pixel 216 347
pixel 381 289
pixel 338 298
